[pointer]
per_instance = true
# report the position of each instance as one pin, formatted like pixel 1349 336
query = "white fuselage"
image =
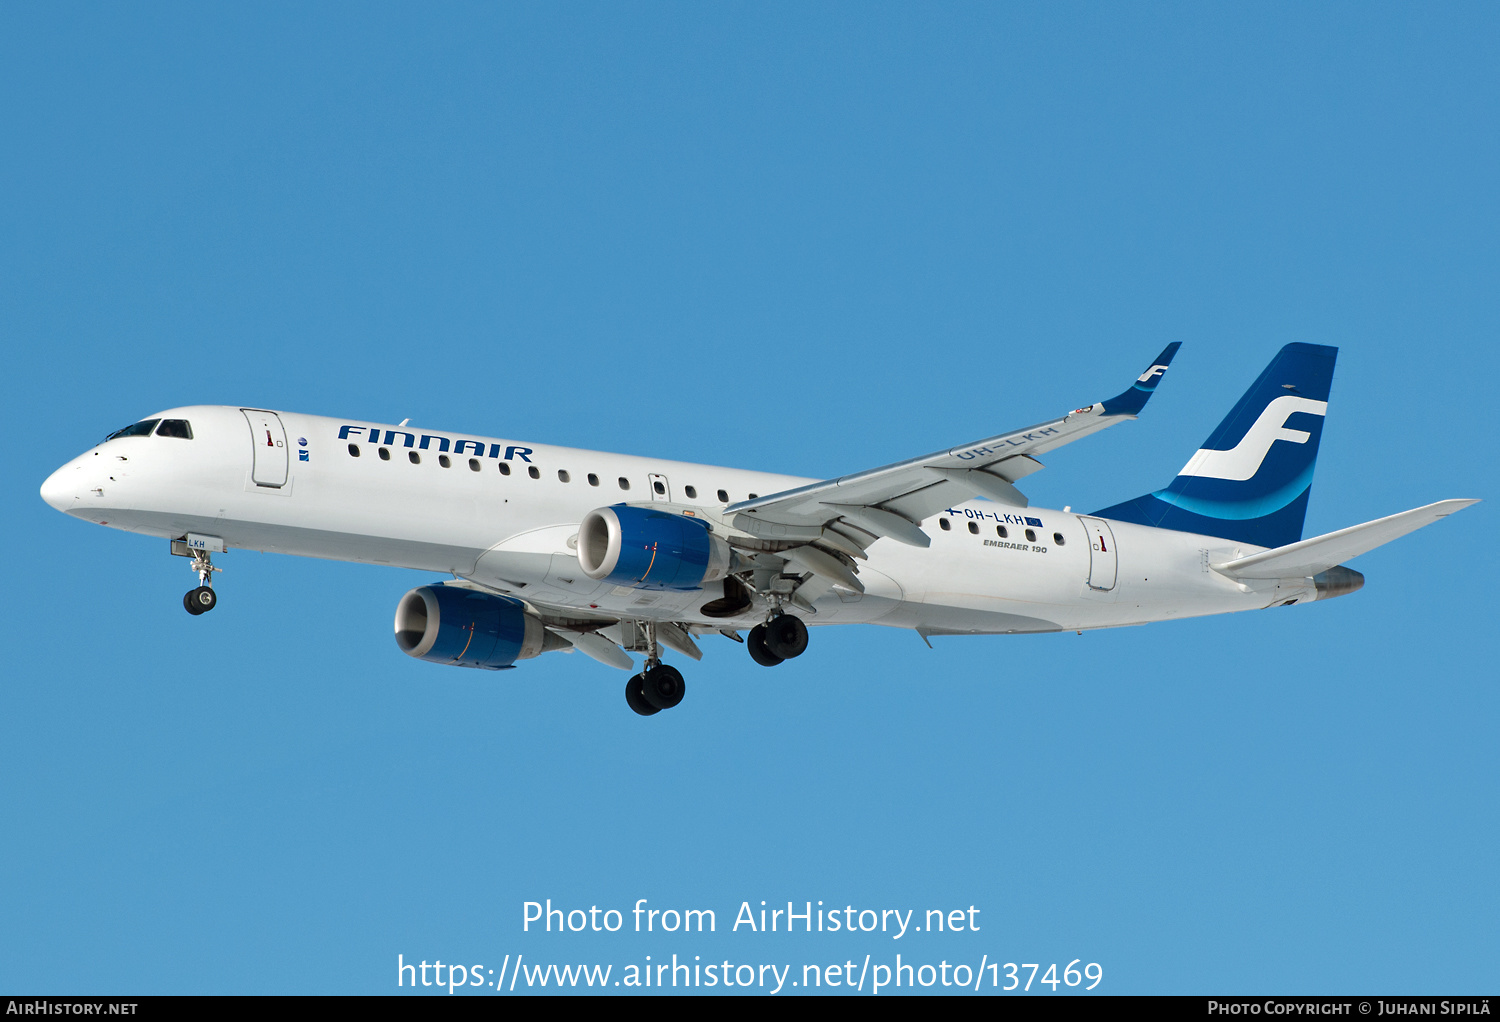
pixel 515 531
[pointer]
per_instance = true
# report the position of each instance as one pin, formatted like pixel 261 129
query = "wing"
pixel 892 501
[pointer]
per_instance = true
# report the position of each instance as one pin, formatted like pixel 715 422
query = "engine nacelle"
pixel 650 549
pixel 449 625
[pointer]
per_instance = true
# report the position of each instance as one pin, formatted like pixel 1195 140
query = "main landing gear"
pixel 781 638
pixel 660 686
pixel 203 599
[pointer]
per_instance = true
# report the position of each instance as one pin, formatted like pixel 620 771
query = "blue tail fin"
pixel 1251 479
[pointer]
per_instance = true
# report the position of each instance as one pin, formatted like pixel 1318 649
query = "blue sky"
pixel 802 238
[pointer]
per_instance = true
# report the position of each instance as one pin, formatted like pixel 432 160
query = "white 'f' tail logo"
pixel 1150 374
pixel 1243 460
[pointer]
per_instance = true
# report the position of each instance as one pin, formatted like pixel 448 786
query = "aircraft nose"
pixel 60 489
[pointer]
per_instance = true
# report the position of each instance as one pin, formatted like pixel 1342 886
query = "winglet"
pixel 1133 400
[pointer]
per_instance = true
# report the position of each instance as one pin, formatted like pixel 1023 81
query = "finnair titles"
pixel 548 548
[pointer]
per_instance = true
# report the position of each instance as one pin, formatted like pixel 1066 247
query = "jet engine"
pixel 449 625
pixel 646 548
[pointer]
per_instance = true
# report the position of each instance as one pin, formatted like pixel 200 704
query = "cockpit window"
pixel 175 427
pixel 142 428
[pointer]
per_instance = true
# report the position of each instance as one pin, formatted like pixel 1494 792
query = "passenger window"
pixel 534 472
pixel 473 464
pixel 444 461
pixel 974 528
pixel 1000 531
pixel 593 479
pixel 659 487
pixel 354 450
pixel 691 491
pixel 505 468
pixel 178 428
pixel 1031 535
pixel 414 457
pixel 385 455
pixel 624 483
pixel 142 428
pixel 562 476
pixel 724 496
pixel 754 495
pixel 1057 538
pixel 944 524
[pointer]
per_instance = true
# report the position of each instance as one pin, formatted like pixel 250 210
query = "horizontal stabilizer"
pixel 1312 556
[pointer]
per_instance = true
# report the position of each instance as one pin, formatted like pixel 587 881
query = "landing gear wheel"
pixel 786 636
pixel 637 698
pixel 663 687
pixel 759 652
pixel 200 600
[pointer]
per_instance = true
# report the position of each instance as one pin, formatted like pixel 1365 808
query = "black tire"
pixel 200 600
pixel 786 636
pixel 663 686
pixel 637 699
pixel 188 605
pixel 759 652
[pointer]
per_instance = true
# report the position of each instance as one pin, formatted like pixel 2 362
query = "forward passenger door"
pixel 268 441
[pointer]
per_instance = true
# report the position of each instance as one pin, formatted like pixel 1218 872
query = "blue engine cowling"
pixel 449 625
pixel 647 548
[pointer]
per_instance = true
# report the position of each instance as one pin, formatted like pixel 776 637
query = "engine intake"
pixel 449 625
pixel 650 549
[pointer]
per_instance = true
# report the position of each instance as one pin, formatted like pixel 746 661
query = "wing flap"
pixel 930 499
pixel 986 484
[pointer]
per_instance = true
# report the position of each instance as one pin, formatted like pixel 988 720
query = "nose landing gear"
pixel 199 601
pixel 203 599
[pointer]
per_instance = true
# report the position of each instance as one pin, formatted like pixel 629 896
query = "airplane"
pixel 553 548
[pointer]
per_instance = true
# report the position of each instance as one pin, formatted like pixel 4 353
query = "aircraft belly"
pixel 934 619
pixel 330 545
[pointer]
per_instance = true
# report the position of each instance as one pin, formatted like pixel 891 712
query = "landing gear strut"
pixel 659 686
pixel 781 638
pixel 203 599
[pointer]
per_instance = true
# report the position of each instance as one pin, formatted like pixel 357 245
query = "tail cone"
pixel 1337 581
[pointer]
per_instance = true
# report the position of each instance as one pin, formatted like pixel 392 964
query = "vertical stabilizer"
pixel 1251 479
